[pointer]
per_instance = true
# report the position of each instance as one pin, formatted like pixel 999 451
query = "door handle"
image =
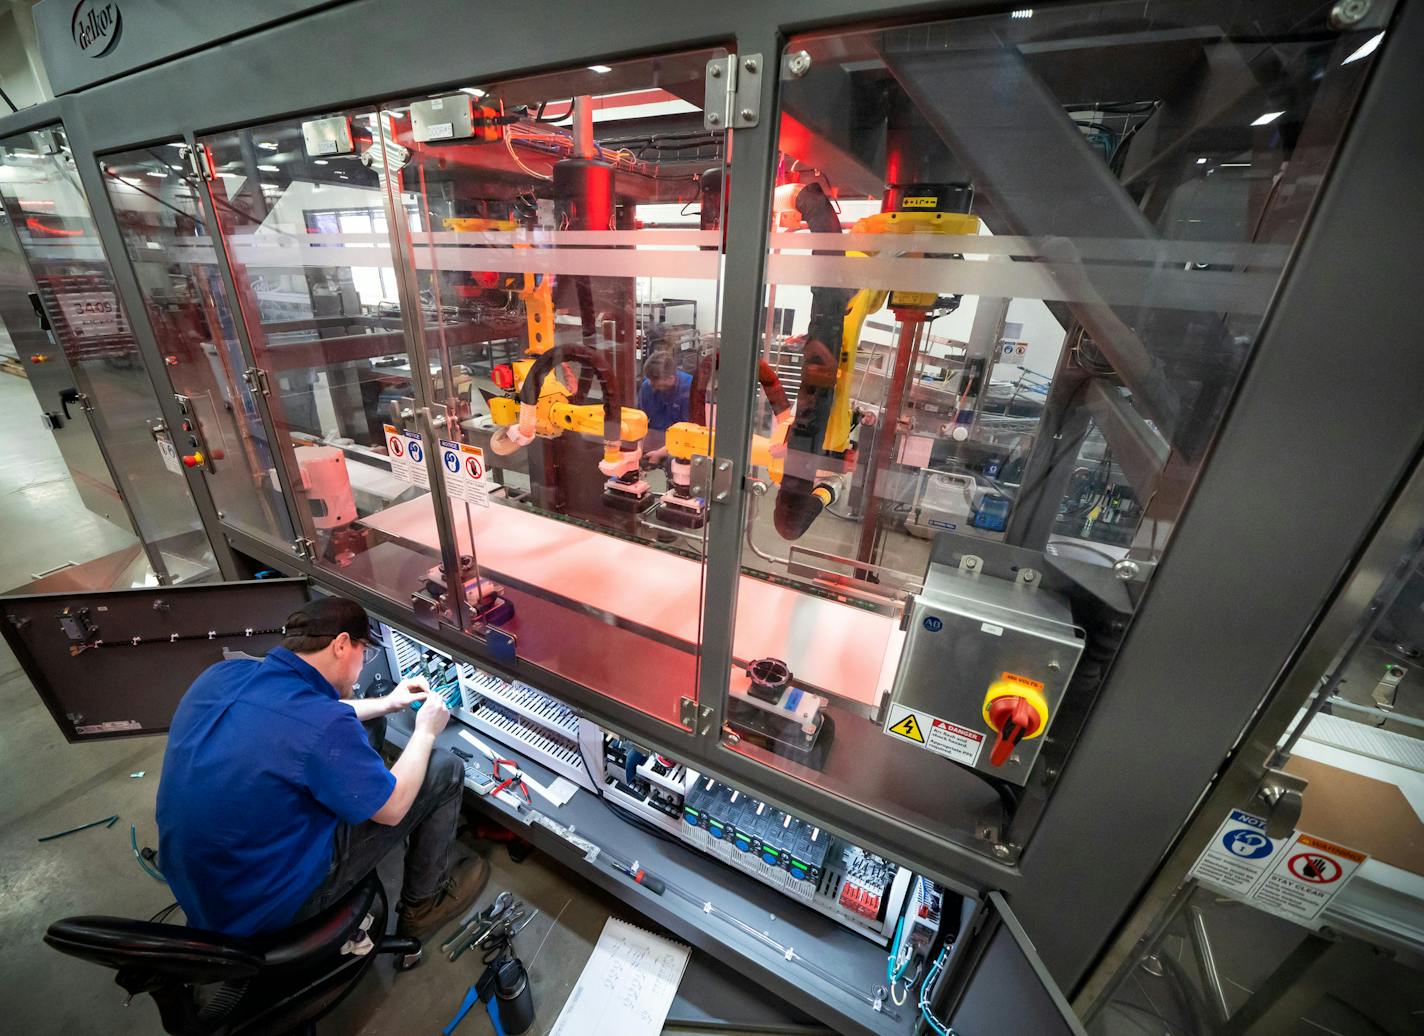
pixel 71 395
pixel 39 310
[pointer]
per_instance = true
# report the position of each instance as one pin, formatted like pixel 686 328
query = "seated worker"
pixel 663 395
pixel 273 804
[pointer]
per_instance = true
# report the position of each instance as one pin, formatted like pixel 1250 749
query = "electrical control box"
pixel 985 665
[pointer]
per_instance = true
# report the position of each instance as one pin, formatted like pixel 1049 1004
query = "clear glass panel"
pixel 1235 950
pixel 40 189
pixel 83 526
pixel 156 199
pixel 562 233
pixel 305 232
pixel 1016 268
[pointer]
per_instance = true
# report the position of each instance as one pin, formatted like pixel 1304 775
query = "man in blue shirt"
pixel 665 396
pixel 273 804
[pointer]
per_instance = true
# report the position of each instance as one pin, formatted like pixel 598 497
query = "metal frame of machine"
pixel 1235 579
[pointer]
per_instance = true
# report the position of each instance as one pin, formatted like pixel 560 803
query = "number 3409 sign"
pixel 91 314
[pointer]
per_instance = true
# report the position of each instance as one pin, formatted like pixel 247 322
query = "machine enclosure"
pixel 964 632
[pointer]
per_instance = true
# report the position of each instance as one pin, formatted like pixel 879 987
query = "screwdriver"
pixel 652 884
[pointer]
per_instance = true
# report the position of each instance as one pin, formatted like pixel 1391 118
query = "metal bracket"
pixel 696 718
pixel 256 379
pixel 971 564
pixel 304 548
pixel 732 99
pixel 722 481
pixel 1278 799
pixel 699 478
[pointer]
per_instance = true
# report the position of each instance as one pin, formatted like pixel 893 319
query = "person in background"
pixel 273 803
pixel 664 395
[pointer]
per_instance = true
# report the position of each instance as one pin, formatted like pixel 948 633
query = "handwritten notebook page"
pixel 627 986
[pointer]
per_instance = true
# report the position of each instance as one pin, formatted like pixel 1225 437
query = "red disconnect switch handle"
pixel 1014 718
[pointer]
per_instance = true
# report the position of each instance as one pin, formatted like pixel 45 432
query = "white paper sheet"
pixel 627 986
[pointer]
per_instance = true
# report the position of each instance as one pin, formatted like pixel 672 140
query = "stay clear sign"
pixel 1294 877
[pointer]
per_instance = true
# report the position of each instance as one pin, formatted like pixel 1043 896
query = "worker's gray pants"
pixel 429 826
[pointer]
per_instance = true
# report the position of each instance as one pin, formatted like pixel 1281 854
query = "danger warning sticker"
pixel 939 736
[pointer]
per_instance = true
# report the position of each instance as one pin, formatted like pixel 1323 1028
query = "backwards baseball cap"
pixel 330 617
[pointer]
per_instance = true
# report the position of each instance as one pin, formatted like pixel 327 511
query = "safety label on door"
pixel 1307 875
pixel 169 455
pixel 466 477
pixel 1294 877
pixel 1238 854
pixel 407 453
pixel 937 735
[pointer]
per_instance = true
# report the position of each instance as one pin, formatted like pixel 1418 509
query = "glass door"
pixel 1015 270
pixel 155 197
pixel 562 232
pixel 47 208
pixel 1304 909
pixel 302 208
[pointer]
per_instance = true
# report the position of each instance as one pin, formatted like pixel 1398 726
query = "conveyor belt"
pixel 835 647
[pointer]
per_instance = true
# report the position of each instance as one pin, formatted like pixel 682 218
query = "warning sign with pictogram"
pixel 407 456
pixel 908 726
pixel 940 736
pixel 1294 877
pixel 466 477
pixel 1308 874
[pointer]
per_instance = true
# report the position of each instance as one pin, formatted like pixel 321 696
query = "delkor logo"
pixel 95 26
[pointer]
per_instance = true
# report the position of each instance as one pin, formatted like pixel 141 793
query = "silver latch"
pixel 256 379
pixel 304 548
pixel 733 95
pixel 194 157
pixel 1278 799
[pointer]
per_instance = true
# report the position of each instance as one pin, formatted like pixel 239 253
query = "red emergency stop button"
pixel 192 460
pixel 1016 710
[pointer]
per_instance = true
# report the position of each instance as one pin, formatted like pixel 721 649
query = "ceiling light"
pixel 267 145
pixel 1201 161
pixel 270 168
pixel 322 161
pixel 600 69
pixel 1022 12
pixel 1365 49
pixel 473 91
pixel 1236 165
pixel 1267 118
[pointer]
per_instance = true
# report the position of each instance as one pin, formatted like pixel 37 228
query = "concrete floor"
pixel 51 786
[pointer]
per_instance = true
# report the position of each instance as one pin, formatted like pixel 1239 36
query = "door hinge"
pixel 732 99
pixel 696 718
pixel 198 163
pixel 256 379
pixel 304 548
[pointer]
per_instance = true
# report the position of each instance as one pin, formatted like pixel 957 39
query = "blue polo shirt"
pixel 263 760
pixel 665 409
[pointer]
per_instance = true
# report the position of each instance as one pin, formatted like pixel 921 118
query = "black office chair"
pixel 206 984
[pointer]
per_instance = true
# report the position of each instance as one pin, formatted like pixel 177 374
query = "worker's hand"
pixel 433 716
pixel 408 692
pixel 656 457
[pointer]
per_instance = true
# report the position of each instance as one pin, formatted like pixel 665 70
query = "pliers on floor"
pixel 479 918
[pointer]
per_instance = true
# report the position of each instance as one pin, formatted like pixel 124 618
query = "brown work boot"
pixel 458 893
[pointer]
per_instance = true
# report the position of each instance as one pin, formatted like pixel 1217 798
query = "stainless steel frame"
pixel 1282 477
